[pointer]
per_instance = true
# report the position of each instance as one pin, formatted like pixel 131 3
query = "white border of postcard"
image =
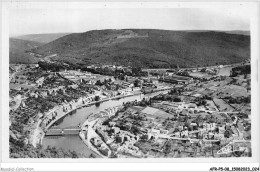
pixel 165 164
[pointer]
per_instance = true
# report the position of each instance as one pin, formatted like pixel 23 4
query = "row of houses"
pixel 107 113
pixel 64 108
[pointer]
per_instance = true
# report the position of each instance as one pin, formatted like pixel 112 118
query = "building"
pixel 40 81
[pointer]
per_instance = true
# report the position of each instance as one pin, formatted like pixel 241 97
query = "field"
pixel 222 105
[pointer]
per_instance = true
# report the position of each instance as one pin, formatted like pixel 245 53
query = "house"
pixel 197 95
pixel 18 88
pixel 38 116
pixel 211 71
pixel 185 133
pixel 74 86
pixel 219 136
pixel 164 131
pixel 34 95
pixel 221 129
pixel 154 131
pixel 40 81
pixel 127 84
pixel 171 131
pixel 180 127
pixel 193 125
pixel 23 104
pixel 112 124
pixel 43 124
pixel 192 105
pixel 116 129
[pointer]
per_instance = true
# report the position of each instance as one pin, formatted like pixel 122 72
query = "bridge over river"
pixel 55 131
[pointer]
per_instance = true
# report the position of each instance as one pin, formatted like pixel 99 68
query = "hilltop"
pixel 149 48
pixel 42 38
pixel 18 48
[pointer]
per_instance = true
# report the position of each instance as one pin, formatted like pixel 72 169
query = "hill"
pixel 238 32
pixel 42 38
pixel 17 50
pixel 149 48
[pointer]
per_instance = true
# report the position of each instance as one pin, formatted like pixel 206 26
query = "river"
pixel 73 142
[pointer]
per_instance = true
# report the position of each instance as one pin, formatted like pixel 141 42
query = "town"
pixel 196 112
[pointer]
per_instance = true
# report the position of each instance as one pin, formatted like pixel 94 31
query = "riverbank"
pixel 39 134
pixel 88 144
pixel 87 129
pixel 100 101
pixel 38 139
pixel 77 117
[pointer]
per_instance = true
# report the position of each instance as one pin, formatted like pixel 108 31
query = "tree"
pixel 136 83
pixel 118 139
pixel 99 83
pixel 167 148
pixel 134 130
pixel 97 98
pixel 202 102
pixel 177 99
pixel 228 133
pixel 144 137
pixel 121 77
pixel 92 156
pixel 136 71
pixel 113 155
pixel 74 154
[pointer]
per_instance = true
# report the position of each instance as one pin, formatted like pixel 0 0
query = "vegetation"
pixel 17 50
pixel 167 97
pixel 97 98
pixel 136 70
pixel 239 100
pixel 55 67
pixel 159 49
pixel 241 70
pixel 18 149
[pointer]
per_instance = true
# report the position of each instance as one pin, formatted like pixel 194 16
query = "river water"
pixel 73 142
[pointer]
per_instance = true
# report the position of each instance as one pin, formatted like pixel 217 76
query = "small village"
pixel 196 117
pixel 38 98
pixel 195 120
pixel 200 114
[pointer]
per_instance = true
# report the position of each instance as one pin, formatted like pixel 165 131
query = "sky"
pixel 24 21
